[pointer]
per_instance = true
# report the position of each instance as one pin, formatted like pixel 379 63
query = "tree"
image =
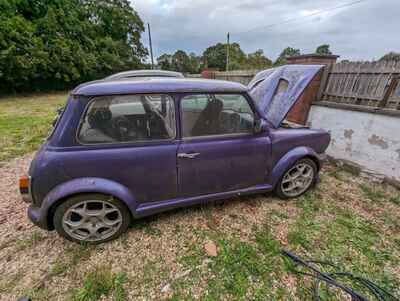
pixel 165 61
pixel 287 52
pixel 180 61
pixel 51 44
pixel 215 56
pixel 196 63
pixel 391 56
pixel 323 49
pixel 257 60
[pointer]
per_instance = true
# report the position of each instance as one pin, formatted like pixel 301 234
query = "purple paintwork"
pixel 275 106
pixel 148 177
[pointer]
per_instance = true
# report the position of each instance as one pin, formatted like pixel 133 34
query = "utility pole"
pixel 227 53
pixel 151 47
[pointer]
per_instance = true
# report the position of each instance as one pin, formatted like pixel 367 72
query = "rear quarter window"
pixel 128 118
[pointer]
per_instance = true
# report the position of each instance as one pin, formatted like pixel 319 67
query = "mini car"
pixel 125 149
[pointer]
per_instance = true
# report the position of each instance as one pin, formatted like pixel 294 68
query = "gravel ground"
pixel 43 265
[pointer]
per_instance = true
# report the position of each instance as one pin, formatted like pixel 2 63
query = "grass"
pixel 101 282
pixel 346 220
pixel 322 230
pixel 29 242
pixel 71 257
pixel 25 122
pixel 372 192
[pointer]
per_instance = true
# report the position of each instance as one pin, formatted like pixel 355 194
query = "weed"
pixel 102 282
pixel 395 199
pixel 59 268
pixel 26 243
pixel 373 193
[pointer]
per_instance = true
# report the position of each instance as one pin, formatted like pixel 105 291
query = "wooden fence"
pixel 371 84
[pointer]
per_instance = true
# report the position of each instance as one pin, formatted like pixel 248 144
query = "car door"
pixel 131 140
pixel 219 150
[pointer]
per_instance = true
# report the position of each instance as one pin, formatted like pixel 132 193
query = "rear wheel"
pixel 92 218
pixel 297 179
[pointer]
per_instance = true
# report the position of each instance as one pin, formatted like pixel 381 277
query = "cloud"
pixel 363 31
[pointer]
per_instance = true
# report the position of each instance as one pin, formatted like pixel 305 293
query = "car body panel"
pixel 223 164
pixel 147 209
pixel 288 159
pixel 39 215
pixel 157 85
pixel 275 104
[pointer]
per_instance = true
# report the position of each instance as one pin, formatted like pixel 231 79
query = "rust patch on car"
pixel 378 141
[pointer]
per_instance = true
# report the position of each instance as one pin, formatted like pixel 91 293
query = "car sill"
pixel 150 208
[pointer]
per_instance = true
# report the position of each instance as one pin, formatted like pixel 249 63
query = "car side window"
pixel 128 118
pixel 215 114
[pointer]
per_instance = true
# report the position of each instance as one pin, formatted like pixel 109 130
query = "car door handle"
pixel 188 156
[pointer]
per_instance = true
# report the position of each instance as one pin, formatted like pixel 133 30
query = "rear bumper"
pixel 38 217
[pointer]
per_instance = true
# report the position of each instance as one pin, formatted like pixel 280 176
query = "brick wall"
pixel 299 112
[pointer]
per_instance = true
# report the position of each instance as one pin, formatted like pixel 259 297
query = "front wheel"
pixel 297 179
pixel 92 218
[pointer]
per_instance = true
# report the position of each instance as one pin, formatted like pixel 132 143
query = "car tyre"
pixel 91 218
pixel 297 179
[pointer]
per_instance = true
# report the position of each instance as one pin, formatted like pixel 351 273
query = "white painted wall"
pixel 371 140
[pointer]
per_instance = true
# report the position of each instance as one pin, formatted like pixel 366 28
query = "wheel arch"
pixel 85 186
pixel 287 160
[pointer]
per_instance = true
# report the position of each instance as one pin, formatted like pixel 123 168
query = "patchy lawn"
pixel 346 220
pixel 25 122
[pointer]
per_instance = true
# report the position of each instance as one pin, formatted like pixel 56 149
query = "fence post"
pixel 324 81
pixel 392 86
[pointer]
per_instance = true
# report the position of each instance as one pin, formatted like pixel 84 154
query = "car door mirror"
pixel 260 126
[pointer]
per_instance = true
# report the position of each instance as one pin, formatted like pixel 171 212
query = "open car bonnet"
pixel 276 90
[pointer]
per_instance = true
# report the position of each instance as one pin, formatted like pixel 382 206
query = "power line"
pixel 303 17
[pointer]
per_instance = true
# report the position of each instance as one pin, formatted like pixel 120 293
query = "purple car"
pixel 125 149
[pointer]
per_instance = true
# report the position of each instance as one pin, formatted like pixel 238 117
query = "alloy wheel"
pixel 297 179
pixel 92 220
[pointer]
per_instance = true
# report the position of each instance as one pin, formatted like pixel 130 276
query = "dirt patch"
pixel 159 253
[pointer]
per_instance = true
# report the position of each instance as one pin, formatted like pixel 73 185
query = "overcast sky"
pixel 363 31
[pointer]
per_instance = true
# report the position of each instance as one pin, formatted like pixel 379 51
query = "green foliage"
pixel 215 56
pixel 323 49
pixel 287 52
pixel 180 61
pixel 391 56
pixel 257 60
pixel 49 44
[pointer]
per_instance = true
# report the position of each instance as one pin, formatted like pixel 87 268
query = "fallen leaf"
pixel 211 249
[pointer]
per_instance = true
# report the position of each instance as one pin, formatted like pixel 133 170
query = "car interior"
pixel 125 119
pixel 152 117
pixel 206 115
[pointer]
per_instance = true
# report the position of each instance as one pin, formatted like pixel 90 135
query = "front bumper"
pixel 38 217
